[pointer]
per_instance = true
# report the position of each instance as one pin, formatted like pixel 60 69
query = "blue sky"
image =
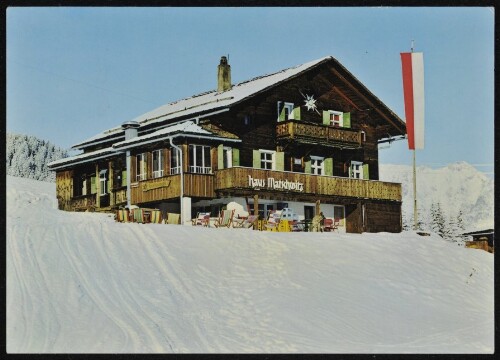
pixel 74 72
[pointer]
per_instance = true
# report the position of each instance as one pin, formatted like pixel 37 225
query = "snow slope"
pixel 457 186
pixel 81 283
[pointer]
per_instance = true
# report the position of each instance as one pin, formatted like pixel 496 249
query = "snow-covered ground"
pixel 81 283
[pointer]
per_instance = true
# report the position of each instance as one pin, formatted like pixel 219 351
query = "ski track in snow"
pixel 81 283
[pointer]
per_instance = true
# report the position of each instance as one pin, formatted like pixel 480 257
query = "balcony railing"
pixel 246 179
pixel 315 133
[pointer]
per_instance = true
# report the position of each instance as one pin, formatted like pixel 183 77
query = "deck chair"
pixel 225 219
pixel 139 215
pixel 245 223
pixel 173 218
pixel 156 216
pixel 330 225
pixel 202 219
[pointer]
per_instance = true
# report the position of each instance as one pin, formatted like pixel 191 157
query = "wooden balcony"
pixel 83 202
pixel 318 134
pixel 168 187
pixel 240 179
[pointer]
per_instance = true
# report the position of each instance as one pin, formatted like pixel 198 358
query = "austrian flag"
pixel 413 88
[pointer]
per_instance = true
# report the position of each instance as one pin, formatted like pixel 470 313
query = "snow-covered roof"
pixel 84 157
pixel 186 128
pixel 209 101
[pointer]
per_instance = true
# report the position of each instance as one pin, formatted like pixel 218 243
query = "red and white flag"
pixel 413 88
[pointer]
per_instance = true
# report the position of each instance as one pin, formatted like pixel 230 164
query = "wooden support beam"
pixel 353 88
pixel 344 96
pixel 318 207
pixel 98 187
pixel 255 209
pixel 110 184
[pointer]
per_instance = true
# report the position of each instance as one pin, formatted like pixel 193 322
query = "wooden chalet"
pixel 297 138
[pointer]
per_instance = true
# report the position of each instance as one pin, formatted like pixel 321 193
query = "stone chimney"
pixel 223 75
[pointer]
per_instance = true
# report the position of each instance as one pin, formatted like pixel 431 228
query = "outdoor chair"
pixel 202 219
pixel 331 225
pixel 245 223
pixel 225 219
pixel 173 218
pixel 156 216
pixel 139 216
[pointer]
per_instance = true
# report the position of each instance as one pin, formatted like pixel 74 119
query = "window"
pixel 336 118
pixel 267 159
pixel 227 157
pixel 285 111
pixel 141 166
pixel 339 214
pixel 199 159
pixel 356 170
pixel 103 182
pixel 317 165
pixel 157 163
pixel 175 161
pixel 80 185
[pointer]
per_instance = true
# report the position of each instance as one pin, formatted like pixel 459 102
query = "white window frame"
pixel 317 165
pixel 175 153
pixel 199 166
pixel 269 158
pixel 356 170
pixel 158 165
pixel 141 170
pixel 334 123
pixel 227 157
pixel 289 106
pixel 363 136
pixel 102 182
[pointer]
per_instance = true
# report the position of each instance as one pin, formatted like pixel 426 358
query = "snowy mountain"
pixel 458 187
pixel 80 282
pixel 28 156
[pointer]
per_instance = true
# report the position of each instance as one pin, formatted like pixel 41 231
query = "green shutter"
pixel 236 157
pixel 296 113
pixel 366 174
pixel 326 117
pixel 328 163
pixel 220 157
pixel 307 167
pixel 280 161
pixel 256 159
pixel 93 188
pixel 347 120
pixel 281 111
pixel 124 177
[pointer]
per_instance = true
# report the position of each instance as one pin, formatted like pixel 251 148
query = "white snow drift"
pixel 79 282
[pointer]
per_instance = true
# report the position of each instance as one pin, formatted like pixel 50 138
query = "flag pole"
pixel 415 214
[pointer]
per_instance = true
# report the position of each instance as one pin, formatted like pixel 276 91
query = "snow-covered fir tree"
pixel 28 156
pixel 438 224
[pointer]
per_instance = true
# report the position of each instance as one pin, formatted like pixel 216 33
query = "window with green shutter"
pixel 236 157
pixel 296 113
pixel 256 159
pixel 347 120
pixel 307 167
pixel 280 161
pixel 366 174
pixel 326 117
pixel 328 164
pixel 93 187
pixel 220 156
pixel 124 177
pixel 285 111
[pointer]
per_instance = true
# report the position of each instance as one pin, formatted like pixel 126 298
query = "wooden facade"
pixel 267 145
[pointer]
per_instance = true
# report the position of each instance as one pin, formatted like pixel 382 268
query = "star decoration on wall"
pixel 310 103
